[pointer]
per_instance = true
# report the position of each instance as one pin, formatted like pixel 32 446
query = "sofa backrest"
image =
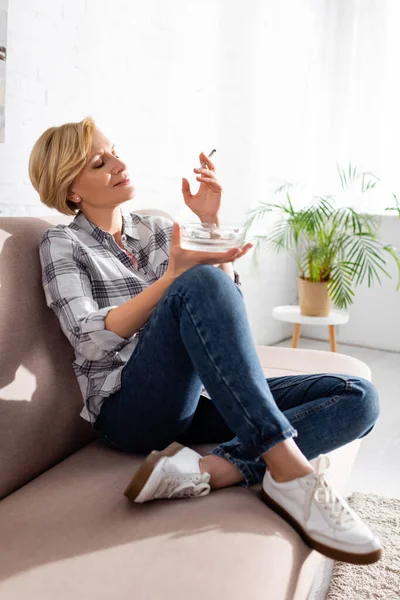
pixel 40 400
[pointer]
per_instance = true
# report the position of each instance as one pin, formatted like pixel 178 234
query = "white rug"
pixel 380 580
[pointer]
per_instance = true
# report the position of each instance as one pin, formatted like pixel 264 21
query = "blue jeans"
pixel 199 334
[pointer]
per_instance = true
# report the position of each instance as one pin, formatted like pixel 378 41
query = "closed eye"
pixel 98 166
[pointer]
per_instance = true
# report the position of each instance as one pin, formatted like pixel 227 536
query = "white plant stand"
pixel 292 314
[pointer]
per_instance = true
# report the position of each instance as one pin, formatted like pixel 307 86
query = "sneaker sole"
pixel 350 557
pixel 145 470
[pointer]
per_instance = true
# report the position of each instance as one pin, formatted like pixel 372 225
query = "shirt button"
pixel 76 328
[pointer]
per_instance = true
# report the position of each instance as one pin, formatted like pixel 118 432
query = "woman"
pixel 151 323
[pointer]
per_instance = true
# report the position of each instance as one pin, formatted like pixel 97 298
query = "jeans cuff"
pixel 250 455
pixel 260 449
pixel 239 464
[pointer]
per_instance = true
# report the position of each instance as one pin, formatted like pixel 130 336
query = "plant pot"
pixel 314 298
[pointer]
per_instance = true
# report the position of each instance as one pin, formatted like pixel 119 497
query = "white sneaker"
pixel 171 473
pixel 321 517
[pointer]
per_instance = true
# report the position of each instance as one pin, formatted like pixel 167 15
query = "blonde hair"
pixel 56 160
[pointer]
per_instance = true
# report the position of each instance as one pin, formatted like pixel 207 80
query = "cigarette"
pixel 204 164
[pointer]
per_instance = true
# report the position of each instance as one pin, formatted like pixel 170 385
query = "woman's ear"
pixel 73 197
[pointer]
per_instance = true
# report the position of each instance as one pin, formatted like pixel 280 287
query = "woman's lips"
pixel 124 182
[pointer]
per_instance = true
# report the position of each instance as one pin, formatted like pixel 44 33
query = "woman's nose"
pixel 119 165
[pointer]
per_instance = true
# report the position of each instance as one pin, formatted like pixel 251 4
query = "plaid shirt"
pixel 84 275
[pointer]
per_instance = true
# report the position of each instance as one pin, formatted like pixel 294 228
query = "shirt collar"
pixel 128 226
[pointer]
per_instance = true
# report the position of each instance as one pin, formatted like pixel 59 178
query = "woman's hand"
pixel 181 260
pixel 207 202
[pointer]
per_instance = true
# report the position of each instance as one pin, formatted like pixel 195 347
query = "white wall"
pixel 168 79
pixel 164 80
pixel 133 66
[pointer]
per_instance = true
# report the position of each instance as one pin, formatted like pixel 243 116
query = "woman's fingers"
pixel 243 251
pixel 209 163
pixel 223 257
pixel 248 247
pixel 205 172
pixel 187 194
pixel 206 176
pixel 239 252
pixel 210 181
pixel 176 234
pixel 216 257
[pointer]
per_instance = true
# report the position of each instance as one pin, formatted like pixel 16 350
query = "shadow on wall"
pixel 40 400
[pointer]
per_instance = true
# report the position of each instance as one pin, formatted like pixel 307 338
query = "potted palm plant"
pixel 335 248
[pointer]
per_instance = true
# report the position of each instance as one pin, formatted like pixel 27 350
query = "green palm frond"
pixel 368 181
pixel 283 236
pixel 338 245
pixel 257 214
pixel 340 284
pixel 350 220
pixel 314 217
pixel 395 255
pixel 316 262
pixel 257 249
pixel 365 251
pixel 351 174
pixel 284 187
pixel 263 242
pixel 397 205
pixel 347 176
pixel 342 176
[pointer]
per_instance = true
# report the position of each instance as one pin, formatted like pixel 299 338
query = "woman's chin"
pixel 128 193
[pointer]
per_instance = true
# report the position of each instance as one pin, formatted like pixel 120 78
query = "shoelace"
pixel 321 489
pixel 198 486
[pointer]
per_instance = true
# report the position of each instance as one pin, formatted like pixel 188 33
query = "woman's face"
pixel 99 183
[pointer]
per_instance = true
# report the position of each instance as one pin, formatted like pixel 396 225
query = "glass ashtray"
pixel 208 237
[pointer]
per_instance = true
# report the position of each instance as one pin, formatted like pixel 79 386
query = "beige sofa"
pixel 67 531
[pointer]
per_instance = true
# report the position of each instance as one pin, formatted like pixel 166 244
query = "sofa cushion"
pixel 278 362
pixel 71 533
pixel 40 400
